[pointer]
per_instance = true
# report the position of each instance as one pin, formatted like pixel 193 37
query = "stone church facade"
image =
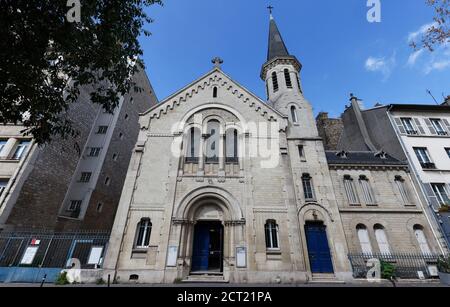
pixel 226 186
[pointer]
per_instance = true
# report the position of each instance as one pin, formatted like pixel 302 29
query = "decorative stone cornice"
pixel 229 85
pixel 235 223
pixel 290 60
pixel 368 167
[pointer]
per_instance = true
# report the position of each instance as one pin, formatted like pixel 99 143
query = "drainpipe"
pixel 413 168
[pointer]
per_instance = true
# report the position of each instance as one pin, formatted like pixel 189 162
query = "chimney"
pixel 447 101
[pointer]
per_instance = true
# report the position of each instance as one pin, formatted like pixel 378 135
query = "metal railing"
pixel 45 249
pixel 406 265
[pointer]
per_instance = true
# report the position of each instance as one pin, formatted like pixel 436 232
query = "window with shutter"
pixel 422 240
pixel 382 240
pixel 364 240
pixel 401 129
pixel 447 124
pixel 350 190
pixel 430 126
pixel 419 126
pixel 409 126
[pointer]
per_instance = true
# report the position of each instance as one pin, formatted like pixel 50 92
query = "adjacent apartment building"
pixel 418 134
pixel 72 184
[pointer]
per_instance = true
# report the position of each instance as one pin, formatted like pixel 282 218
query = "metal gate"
pixel 28 256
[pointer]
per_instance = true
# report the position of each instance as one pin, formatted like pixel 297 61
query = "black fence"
pixel 406 265
pixel 43 249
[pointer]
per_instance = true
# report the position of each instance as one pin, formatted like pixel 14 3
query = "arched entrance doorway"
pixel 208 243
pixel 208 224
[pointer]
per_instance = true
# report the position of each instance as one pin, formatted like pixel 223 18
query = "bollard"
pixel 43 280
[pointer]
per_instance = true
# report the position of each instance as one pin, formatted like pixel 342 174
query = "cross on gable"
pixel 270 8
pixel 217 62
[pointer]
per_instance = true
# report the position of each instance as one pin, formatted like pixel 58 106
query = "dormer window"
pixel 381 155
pixel 342 154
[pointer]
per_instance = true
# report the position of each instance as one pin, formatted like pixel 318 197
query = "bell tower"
pixel 281 74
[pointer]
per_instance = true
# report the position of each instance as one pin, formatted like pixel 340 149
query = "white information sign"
pixel 95 255
pixel 172 256
pixel 29 255
pixel 241 257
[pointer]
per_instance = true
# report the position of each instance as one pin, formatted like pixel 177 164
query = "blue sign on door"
pixel 318 248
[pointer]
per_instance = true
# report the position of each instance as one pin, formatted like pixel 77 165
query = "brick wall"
pixel 44 190
pixel 330 130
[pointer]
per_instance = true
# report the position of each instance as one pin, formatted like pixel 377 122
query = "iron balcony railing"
pixel 406 265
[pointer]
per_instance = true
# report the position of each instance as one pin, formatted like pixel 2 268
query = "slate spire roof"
pixel 277 48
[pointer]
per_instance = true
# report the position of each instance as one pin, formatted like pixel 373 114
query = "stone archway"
pixel 207 221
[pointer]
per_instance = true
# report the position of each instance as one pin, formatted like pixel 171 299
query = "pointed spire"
pixel 277 48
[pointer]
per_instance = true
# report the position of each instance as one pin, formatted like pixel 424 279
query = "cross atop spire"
pixel 270 8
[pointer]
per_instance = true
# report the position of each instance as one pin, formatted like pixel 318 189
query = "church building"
pixel 224 186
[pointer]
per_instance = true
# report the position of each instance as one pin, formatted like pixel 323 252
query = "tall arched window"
pixel 294 114
pixel 144 230
pixel 350 190
pixel 215 92
pixel 193 143
pixel 271 231
pixel 212 144
pixel 401 185
pixel 231 144
pixel 308 188
pixel 287 77
pixel 364 183
pixel 275 81
pixel 364 240
pixel 380 235
pixel 422 240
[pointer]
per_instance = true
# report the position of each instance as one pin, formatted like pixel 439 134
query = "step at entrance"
pixel 205 278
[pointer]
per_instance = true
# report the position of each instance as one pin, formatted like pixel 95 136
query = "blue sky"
pixel 340 50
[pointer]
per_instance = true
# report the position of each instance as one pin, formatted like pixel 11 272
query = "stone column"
pixel 222 155
pixel 201 156
pixel 7 150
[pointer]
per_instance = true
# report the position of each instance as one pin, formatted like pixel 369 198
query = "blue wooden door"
pixel 200 254
pixel 318 248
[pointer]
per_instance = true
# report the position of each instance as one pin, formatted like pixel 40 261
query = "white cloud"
pixel 381 64
pixel 421 31
pixel 437 65
pixel 413 57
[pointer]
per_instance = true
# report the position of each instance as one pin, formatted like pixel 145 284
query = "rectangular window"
pixel 85 176
pixel 271 232
pixel 441 193
pixel 424 157
pixel 94 151
pixel 447 150
pixel 75 205
pixel 102 129
pixel 369 199
pixel 308 189
pixel 20 150
pixel 409 126
pixel 350 191
pixel 301 151
pixel 437 125
pixel 3 184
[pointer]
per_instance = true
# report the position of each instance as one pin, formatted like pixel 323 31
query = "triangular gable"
pixel 215 76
